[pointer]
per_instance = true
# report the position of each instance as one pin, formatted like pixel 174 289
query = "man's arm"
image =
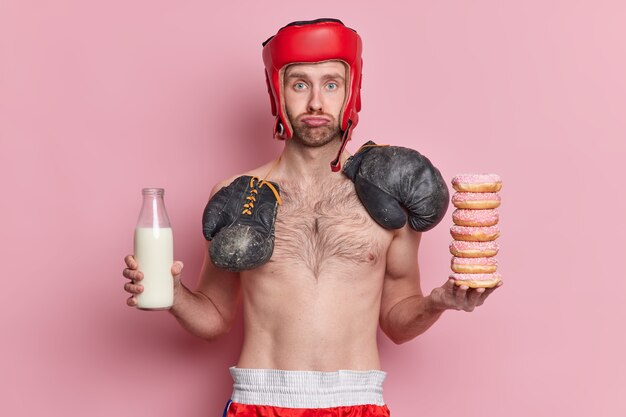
pixel 405 312
pixel 210 310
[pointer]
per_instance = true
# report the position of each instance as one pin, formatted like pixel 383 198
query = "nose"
pixel 315 101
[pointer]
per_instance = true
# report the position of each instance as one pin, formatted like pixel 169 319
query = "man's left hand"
pixel 460 297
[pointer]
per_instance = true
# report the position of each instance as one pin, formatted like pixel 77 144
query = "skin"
pixel 334 276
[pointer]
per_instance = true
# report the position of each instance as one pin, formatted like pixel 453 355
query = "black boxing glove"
pixel 239 220
pixel 388 178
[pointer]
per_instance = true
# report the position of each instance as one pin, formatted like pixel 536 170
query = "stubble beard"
pixel 315 137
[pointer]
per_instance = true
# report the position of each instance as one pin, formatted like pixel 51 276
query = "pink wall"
pixel 100 99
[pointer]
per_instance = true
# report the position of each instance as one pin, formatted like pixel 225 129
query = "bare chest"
pixel 319 226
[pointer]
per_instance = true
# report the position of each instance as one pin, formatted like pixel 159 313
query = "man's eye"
pixel 299 86
pixel 332 86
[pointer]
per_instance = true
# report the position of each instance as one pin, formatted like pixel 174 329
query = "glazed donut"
pixel 474 265
pixel 477 183
pixel 475 234
pixel 476 200
pixel 466 217
pixel 477 280
pixel 463 249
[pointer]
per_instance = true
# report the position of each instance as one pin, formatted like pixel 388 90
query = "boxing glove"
pixel 239 221
pixel 390 179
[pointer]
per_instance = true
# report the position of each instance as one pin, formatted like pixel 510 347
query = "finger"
pixel 474 295
pixel 133 274
pixel 448 289
pixel 132 301
pixel 461 294
pixel 487 292
pixel 453 289
pixel 130 261
pixel 133 288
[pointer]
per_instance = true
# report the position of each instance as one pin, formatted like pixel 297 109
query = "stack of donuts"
pixel 475 230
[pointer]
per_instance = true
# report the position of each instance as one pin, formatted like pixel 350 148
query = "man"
pixel 333 274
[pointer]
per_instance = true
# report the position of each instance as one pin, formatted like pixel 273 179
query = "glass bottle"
pixel 154 252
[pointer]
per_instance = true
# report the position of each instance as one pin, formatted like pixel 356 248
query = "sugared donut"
pixel 477 183
pixel 463 249
pixel 466 217
pixel 477 280
pixel 476 200
pixel 474 265
pixel 475 234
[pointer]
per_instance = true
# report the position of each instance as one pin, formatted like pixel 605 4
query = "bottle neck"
pixel 153 213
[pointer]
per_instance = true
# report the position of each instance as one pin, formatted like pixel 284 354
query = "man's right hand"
pixel 133 273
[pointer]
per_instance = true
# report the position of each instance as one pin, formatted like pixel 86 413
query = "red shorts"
pixel 280 393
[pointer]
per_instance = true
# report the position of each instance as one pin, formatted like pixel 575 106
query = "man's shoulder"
pixel 259 172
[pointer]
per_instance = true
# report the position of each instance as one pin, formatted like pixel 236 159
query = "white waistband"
pixel 307 389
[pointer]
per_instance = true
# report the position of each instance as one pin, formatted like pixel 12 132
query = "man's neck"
pixel 306 162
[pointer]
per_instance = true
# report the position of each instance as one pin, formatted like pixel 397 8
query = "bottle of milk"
pixel 154 252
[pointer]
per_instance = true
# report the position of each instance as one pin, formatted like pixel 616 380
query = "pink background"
pixel 100 99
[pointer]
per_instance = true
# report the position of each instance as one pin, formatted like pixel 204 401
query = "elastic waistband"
pixel 307 389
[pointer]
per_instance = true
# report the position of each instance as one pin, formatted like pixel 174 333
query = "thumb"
pixel 177 268
pixel 450 283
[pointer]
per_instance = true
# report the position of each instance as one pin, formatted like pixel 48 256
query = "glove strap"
pixel 335 165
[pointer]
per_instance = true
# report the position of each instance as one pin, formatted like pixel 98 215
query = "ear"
pixel 279 129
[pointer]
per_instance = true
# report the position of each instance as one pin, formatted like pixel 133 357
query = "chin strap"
pixel 335 165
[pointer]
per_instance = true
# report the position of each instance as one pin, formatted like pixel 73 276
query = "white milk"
pixel 154 252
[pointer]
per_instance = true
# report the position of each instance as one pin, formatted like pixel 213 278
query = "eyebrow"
pixel 335 75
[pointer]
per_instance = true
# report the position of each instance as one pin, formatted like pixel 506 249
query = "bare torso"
pixel 315 305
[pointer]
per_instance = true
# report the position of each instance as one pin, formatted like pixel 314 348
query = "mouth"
pixel 312 121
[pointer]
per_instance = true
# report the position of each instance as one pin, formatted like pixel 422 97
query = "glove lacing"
pixel 255 184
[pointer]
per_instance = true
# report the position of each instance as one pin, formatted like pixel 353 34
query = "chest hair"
pixel 322 223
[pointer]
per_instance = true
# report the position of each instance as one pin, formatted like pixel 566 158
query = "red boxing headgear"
pixel 308 42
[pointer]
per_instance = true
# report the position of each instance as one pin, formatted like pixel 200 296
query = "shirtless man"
pixel 311 312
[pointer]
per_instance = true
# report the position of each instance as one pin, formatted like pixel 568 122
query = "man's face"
pixel 314 96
